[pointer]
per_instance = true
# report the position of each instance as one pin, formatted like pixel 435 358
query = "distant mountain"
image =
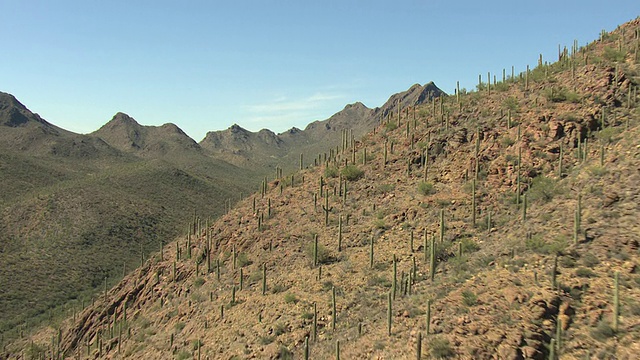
pixel 22 130
pixel 125 134
pixel 265 150
pixel 76 208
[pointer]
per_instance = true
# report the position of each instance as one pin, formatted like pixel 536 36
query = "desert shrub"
pixel 307 315
pixel 543 189
pixel 426 188
pixel 279 329
pixel 266 340
pixel 440 348
pixel 198 282
pixel 567 262
pixel 195 344
pixel 602 332
pixel 584 272
pixel 183 355
pixel 608 135
pixel 379 224
pixel 242 260
pixel 469 245
pixel 561 95
pixel 614 55
pixel 290 298
pixel 391 125
pixel 385 188
pixel 507 141
pixel 352 172
pixel 179 326
pixel 379 281
pixel 511 103
pixel 285 353
pixel 597 171
pixel 331 172
pixel 538 244
pixel 589 260
pixel 469 298
pixel 324 256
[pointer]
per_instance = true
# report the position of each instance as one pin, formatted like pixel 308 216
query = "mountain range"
pixel 79 210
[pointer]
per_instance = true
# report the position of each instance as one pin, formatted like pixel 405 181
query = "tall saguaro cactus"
pixel 616 302
pixel 326 209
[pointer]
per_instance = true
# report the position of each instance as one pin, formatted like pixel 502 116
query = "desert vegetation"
pixel 495 237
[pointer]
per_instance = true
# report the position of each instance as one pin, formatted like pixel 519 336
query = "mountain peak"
pixel 235 129
pixel 121 118
pixel 356 105
pixel 7 100
pixel 13 113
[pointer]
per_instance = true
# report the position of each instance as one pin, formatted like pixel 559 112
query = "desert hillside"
pixel 495 224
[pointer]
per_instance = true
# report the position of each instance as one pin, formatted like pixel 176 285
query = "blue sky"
pixel 205 65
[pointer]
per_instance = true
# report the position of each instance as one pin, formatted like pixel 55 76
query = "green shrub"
pixel 543 189
pixel 285 353
pixel 242 260
pixel 307 315
pixel 538 244
pixel 324 256
pixel 279 329
pixel 561 95
pixel 469 245
pixel 469 298
pixel 379 281
pixel 440 348
pixel 608 135
pixel 602 332
pixel 331 172
pixel 379 224
pixel 195 344
pixel 266 340
pixel 426 188
pixel 511 103
pixel 179 326
pixel 567 262
pixel 614 55
pixel 507 141
pixel 385 188
pixel 290 298
pixel 198 282
pixel 183 355
pixel 597 171
pixel 391 125
pixel 352 172
pixel 589 260
pixel 584 272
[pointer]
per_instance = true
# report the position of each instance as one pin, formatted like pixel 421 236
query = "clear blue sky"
pixel 205 65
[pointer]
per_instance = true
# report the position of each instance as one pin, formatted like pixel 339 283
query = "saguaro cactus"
pixel 428 324
pixel 389 313
pixel 340 233
pixel 326 209
pixel 371 253
pixel 432 263
pixel 264 279
pixel 333 308
pixel 616 302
